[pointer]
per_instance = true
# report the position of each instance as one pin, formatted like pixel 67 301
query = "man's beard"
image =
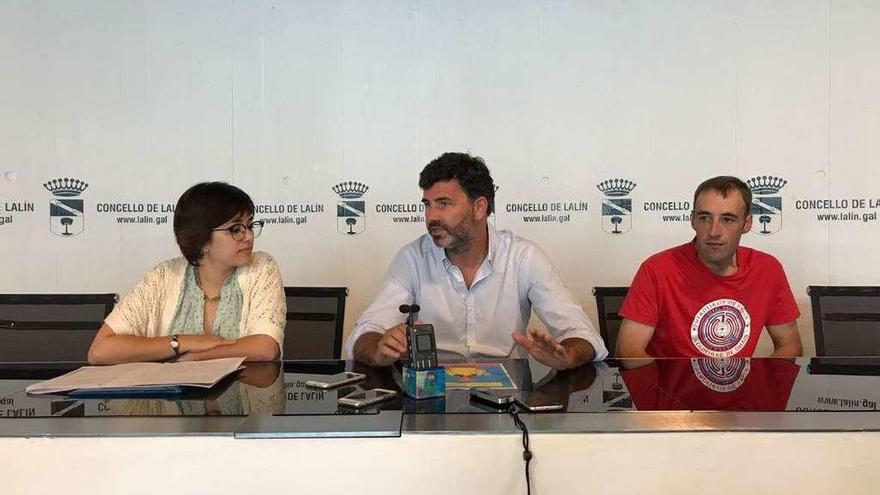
pixel 460 238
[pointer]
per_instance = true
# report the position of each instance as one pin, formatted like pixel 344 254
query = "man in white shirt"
pixel 476 285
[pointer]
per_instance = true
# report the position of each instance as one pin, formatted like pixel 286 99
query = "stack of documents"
pixel 140 377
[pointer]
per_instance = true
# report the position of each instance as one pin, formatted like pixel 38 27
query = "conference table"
pixel 808 425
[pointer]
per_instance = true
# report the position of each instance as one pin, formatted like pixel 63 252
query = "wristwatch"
pixel 175 345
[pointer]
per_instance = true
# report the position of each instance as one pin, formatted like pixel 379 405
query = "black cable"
pixel 513 410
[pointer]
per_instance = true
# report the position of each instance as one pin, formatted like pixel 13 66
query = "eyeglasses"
pixel 238 231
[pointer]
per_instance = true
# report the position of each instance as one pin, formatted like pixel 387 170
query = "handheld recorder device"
pixel 420 342
pixel 421 346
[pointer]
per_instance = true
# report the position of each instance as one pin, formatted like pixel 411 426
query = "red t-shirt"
pixel 696 313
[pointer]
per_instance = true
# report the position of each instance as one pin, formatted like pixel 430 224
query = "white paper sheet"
pixel 141 375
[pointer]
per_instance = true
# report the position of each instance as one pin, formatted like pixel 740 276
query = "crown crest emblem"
pixel 766 184
pixel 616 187
pixel 350 189
pixel 66 187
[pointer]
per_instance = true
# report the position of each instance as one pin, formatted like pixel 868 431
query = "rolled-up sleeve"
pixel 384 312
pixel 552 302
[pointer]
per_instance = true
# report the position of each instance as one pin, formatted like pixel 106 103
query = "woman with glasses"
pixel 221 299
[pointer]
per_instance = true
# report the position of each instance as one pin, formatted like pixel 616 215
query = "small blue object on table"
pixel 423 384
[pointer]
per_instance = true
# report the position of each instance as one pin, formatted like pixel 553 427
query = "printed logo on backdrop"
pixel 11 209
pixel 556 211
pixel 721 328
pixel 767 203
pixel 286 214
pixel 66 208
pixel 848 210
pixel 669 210
pixel 722 375
pixel 351 209
pixel 410 214
pixel 136 213
pixel 616 205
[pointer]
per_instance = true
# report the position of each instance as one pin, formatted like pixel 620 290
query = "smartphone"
pixel 337 380
pixel 534 406
pixel 364 398
pixel 500 398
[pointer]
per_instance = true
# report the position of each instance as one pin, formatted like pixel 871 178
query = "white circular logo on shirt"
pixel 721 375
pixel 721 328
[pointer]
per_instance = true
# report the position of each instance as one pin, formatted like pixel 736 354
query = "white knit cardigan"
pixel 148 309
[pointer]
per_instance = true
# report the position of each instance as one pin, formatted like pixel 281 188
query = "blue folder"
pixel 128 392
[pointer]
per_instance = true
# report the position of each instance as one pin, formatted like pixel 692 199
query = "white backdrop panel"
pixel 287 99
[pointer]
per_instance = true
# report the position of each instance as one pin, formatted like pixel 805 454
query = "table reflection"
pixel 733 384
pixel 256 389
pixel 729 384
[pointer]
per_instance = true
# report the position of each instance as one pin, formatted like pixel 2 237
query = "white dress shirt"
pixel 515 277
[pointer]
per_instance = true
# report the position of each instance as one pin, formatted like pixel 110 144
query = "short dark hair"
pixel 470 171
pixel 203 207
pixel 724 184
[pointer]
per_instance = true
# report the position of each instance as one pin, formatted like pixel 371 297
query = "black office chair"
pixel 315 319
pixel 608 302
pixel 50 327
pixel 846 320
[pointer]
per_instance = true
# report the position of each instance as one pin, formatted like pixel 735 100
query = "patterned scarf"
pixel 190 316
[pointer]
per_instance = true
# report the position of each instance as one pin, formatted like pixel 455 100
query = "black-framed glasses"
pixel 238 231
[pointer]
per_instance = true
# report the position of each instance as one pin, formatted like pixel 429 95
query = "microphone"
pixel 409 310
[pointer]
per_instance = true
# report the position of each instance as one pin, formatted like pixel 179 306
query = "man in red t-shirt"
pixel 711 296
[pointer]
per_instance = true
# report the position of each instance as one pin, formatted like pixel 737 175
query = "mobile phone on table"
pixel 532 405
pixel 364 398
pixel 497 397
pixel 337 380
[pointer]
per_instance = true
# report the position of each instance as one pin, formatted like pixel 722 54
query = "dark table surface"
pixel 757 384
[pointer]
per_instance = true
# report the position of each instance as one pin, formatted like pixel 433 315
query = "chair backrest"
pixel 846 320
pixel 608 302
pixel 315 319
pixel 50 327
